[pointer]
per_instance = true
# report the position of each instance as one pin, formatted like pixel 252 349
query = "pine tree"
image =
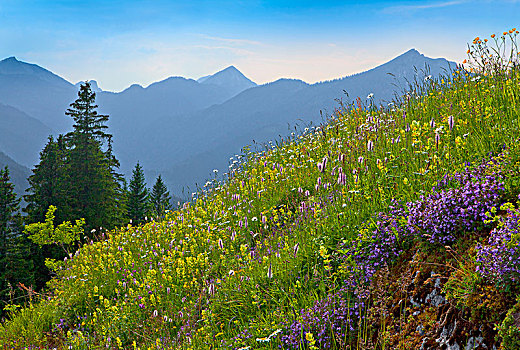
pixel 15 262
pixel 93 186
pixel 47 186
pixel 137 196
pixel 160 199
pixel 46 183
pixel 88 124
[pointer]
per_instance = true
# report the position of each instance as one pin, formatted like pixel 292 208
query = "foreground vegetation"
pixel 384 228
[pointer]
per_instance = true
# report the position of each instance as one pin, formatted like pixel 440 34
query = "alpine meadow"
pixel 385 227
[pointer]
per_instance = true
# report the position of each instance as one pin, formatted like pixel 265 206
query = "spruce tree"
pixel 160 199
pixel 46 184
pixel 93 187
pixel 15 261
pixel 137 196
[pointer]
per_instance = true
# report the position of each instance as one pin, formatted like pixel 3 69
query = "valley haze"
pixel 183 128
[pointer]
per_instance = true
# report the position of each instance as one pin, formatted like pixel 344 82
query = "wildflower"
pixel 432 123
pixel 231 272
pixel 211 289
pixel 429 77
pixel 155 313
pixel 370 146
pixel 322 165
pixel 451 122
pixel 296 248
pixel 370 95
pixel 220 243
pixel 270 271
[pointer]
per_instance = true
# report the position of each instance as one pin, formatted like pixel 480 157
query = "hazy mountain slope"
pixel 22 137
pixel 183 129
pixel 37 92
pixel 135 113
pixel 17 173
pixel 387 79
pixel 263 113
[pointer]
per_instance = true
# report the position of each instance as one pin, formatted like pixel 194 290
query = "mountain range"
pixel 184 128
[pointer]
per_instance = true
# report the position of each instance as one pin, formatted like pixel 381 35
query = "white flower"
pixel 370 95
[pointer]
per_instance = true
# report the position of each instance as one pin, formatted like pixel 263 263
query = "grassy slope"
pixel 250 254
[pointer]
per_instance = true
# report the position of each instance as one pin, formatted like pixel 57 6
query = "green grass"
pixel 192 281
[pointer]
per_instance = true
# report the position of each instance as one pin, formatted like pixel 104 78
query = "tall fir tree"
pixel 137 196
pixel 160 199
pixel 15 259
pixel 46 184
pixel 77 173
pixel 93 186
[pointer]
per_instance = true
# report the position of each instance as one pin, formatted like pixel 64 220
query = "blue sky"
pixel 119 43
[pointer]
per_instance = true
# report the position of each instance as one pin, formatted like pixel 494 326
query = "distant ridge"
pixel 229 77
pixel 183 128
pixel 22 137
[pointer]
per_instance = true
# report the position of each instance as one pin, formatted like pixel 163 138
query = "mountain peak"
pixel 12 66
pixel 230 78
pixel 413 51
pixel 93 85
pixel 230 69
pixel 9 59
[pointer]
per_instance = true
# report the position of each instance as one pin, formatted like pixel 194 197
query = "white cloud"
pixel 423 6
pixel 232 41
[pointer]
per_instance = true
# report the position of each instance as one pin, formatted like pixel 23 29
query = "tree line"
pixel 77 179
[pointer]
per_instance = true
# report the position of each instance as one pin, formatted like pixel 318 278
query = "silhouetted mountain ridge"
pixel 184 128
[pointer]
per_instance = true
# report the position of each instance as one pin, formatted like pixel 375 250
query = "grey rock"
pixel 474 342
pixel 435 299
pixel 446 333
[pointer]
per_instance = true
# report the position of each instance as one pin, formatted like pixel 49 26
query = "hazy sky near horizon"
pixel 122 42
